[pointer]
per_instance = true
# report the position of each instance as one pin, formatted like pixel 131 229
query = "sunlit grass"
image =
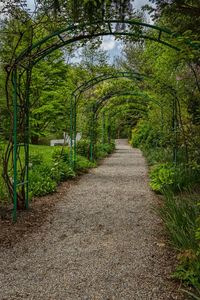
pixel 45 151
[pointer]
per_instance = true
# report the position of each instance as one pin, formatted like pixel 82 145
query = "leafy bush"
pixel 157 155
pixel 175 177
pixel 41 182
pixel 102 150
pixel 45 177
pixel 140 133
pixel 36 159
pixel 3 191
pixel 61 154
pixel 82 164
pixel 108 148
pixel 162 176
pixel 180 216
pixel 83 148
pixel 146 135
pixel 61 171
pixel 188 269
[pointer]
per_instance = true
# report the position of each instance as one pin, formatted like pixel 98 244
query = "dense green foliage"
pixel 169 135
pixel 160 113
pixel 180 215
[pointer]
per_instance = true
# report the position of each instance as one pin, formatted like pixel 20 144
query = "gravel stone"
pixel 103 242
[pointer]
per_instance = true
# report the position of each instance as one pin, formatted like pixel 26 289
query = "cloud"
pixel 139 3
pixel 108 43
pixel 31 5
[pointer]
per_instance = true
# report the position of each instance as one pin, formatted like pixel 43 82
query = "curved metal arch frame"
pixel 33 54
pixel 106 118
pixel 92 82
pixel 93 125
pixel 127 109
pixel 75 96
pixel 103 100
pixel 147 98
pixel 109 116
pixel 87 30
pixel 129 106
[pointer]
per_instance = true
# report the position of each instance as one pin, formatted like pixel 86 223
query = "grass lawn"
pixel 45 151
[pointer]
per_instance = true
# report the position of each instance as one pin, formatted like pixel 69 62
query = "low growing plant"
pixel 82 164
pixel 174 177
pixel 45 177
pixel 61 171
pixel 180 216
pixel 83 148
pixel 3 191
pixel 41 182
pixel 61 154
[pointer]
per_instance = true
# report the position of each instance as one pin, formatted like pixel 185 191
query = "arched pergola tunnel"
pixel 139 104
pixel 99 104
pixel 109 117
pixel 137 97
pixel 121 111
pixel 96 112
pixel 75 98
pixel 16 159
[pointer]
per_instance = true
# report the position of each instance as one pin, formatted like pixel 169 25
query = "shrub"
pixel 61 171
pixel 83 148
pixel 45 177
pixel 140 133
pixel 180 216
pixel 146 135
pixel 3 191
pixel 82 164
pixel 175 177
pixel 157 155
pixel 61 154
pixel 102 150
pixel 162 176
pixel 41 182
pixel 36 159
pixel 188 269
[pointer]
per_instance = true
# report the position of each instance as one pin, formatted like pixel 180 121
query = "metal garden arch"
pixel 100 103
pixel 75 97
pixel 17 182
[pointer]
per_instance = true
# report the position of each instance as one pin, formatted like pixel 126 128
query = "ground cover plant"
pixel 49 166
pixel 169 138
pixel 178 182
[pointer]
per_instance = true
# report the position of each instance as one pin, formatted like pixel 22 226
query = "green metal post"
pixel 15 145
pixel 75 133
pixel 92 135
pixel 108 129
pixel 103 128
pixel 27 139
pixel 175 131
pixel 71 132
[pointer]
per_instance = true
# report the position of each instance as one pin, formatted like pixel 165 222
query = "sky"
pixel 137 3
pixel 109 44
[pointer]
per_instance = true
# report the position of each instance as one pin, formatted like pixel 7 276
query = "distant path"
pixel 103 242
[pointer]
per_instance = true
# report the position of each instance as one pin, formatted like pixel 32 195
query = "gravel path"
pixel 103 242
